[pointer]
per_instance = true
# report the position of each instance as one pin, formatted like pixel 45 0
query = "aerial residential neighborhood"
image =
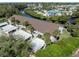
pixel 39 29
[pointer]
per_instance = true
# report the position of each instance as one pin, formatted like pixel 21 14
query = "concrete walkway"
pixel 76 53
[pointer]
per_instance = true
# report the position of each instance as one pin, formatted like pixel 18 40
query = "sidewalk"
pixel 76 53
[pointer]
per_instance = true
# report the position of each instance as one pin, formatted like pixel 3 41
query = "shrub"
pixel 12 48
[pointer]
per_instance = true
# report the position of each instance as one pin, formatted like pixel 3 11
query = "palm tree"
pixel 56 34
pixel 46 37
pixel 13 20
pixel 17 21
pixel 25 23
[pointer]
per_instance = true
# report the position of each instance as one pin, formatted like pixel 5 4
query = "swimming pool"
pixel 53 12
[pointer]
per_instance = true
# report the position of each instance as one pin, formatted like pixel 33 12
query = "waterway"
pixel 24 14
pixel 70 20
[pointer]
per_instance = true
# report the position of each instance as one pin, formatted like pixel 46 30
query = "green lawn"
pixel 64 47
pixel 65 34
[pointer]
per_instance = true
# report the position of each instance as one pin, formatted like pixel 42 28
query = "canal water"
pixel 24 14
pixel 70 20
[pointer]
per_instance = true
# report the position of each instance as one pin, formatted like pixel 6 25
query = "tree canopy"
pixel 9 47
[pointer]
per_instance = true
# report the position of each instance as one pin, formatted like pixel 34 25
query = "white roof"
pixel 53 39
pixel 38 32
pixel 8 28
pixel 2 24
pixel 61 29
pixel 37 44
pixel 22 34
pixel 21 26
